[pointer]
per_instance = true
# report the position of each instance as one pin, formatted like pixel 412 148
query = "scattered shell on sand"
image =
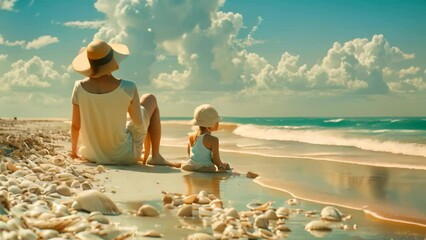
pixel 148 211
pixel 93 200
pixel 330 213
pixel 252 175
pixel 259 206
pixel 200 236
pixel 152 233
pixel 318 225
pixel 185 211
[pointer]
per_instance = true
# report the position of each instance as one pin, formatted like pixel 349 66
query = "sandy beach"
pixel 285 202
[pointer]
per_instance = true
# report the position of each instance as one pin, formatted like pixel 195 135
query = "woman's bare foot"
pixel 159 160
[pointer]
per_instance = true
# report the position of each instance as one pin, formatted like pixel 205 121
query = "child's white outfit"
pixel 106 135
pixel 199 155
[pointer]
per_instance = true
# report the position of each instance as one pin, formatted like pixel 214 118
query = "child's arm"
pixel 215 154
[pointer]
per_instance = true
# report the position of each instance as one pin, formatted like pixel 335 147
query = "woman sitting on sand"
pixel 203 148
pixel 101 106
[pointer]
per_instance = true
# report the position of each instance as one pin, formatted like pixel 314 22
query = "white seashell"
pixel 152 233
pixel 203 193
pixel 48 233
pixel 203 200
pixel 64 176
pixel 266 234
pixel 100 169
pixel 64 190
pixel 261 222
pixel 232 212
pixel 14 189
pixel 59 210
pixel 271 215
pixel 200 236
pixel 87 236
pixel 282 228
pixel 99 217
pixel 292 201
pixel 205 211
pixel 60 224
pixel 58 160
pixel 232 232
pixel 318 225
pixel 93 200
pixel 216 203
pixel 282 212
pixel 27 234
pixel 259 206
pixel 79 226
pixel 50 189
pixel 148 211
pixel 218 226
pixel 75 184
pixel 3 178
pixel 185 211
pixel 331 214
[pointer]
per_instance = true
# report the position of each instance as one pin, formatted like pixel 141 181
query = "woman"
pixel 100 130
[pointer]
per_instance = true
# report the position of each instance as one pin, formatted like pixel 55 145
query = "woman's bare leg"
pixel 149 102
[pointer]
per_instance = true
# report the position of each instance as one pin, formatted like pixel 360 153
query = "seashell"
pixel 331 214
pixel 75 184
pixel 93 200
pixel 200 236
pixel 50 189
pixel 64 176
pixel 13 224
pixel 185 211
pixel 232 232
pixel 64 190
pixel 167 198
pixel 11 166
pixel 189 199
pixel 282 212
pixel 252 175
pixel 232 212
pixel 318 225
pixel 79 226
pixel 177 201
pixel 58 224
pixel 292 201
pixel 169 206
pixel 100 169
pixel 266 234
pixel 203 193
pixel 27 234
pixel 259 206
pixel 58 160
pixel 271 215
pixel 14 189
pixel 86 186
pixel 218 226
pixel 46 216
pixel 216 203
pixel 87 236
pixel 261 221
pixel 48 233
pixel 203 200
pixel 59 210
pixel 12 182
pixel 205 211
pixel 282 228
pixel 152 233
pixel 3 178
pixel 148 211
pixel 97 216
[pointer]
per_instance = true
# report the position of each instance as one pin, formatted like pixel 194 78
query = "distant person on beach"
pixel 110 123
pixel 203 148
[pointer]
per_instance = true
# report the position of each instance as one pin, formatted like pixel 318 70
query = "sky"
pixel 248 58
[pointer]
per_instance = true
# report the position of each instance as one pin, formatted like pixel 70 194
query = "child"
pixel 203 148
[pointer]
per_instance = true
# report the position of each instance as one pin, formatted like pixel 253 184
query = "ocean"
pixel 373 164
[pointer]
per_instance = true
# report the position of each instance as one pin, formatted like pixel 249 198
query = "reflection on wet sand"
pixel 210 182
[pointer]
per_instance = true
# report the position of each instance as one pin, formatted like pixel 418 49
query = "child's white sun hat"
pixel 99 58
pixel 205 115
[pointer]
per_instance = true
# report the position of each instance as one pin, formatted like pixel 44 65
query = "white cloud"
pixel 85 24
pixel 37 43
pixel 3 57
pixel 41 42
pixel 7 4
pixel 408 71
pixel 33 74
pixel 175 80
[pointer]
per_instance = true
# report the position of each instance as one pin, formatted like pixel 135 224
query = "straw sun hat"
pixel 205 116
pixel 99 58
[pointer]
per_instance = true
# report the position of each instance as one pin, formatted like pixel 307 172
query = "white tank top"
pixel 199 154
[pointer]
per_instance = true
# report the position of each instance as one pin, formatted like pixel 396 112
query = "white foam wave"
pixel 335 120
pixel 329 137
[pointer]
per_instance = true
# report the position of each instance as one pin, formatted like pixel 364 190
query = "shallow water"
pixel 382 185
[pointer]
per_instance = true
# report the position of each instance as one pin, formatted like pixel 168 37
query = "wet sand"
pixel 129 187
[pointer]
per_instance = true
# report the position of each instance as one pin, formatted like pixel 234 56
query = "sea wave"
pixel 329 137
pixel 334 120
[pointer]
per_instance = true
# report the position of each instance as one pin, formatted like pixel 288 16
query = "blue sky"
pixel 246 57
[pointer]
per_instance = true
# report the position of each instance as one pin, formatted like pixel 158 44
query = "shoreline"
pixel 129 197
